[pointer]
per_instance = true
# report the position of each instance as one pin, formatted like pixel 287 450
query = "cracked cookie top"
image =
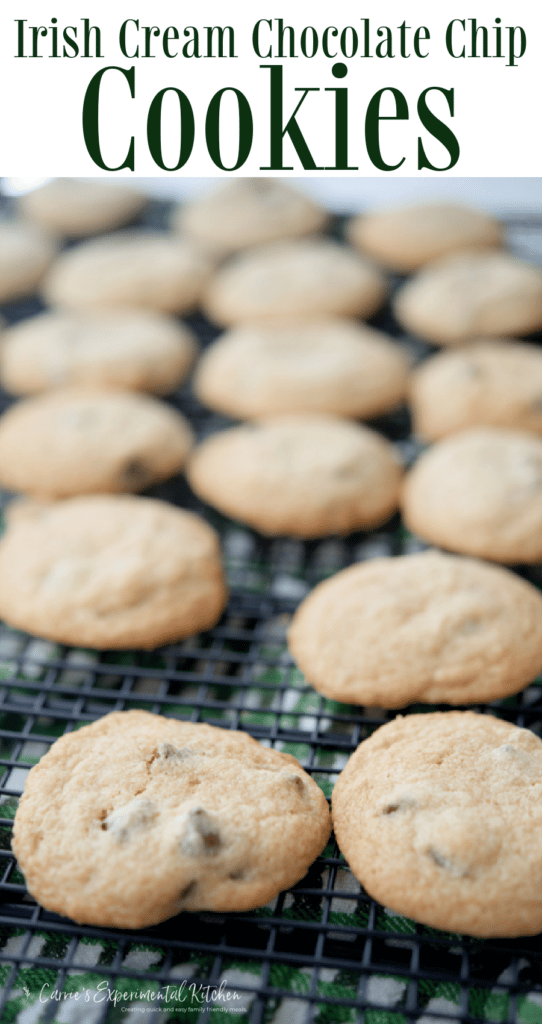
pixel 439 817
pixel 192 818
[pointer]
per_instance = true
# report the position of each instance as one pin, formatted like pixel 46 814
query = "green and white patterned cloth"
pixel 277 693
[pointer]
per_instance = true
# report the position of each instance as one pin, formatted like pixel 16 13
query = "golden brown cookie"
pixel 111 571
pixel 245 212
pixel 472 295
pixel 331 366
pixel 140 269
pixel 136 349
pixel 26 252
pixel 191 818
pixel 428 627
pixel 83 441
pixel 439 817
pixel 303 476
pixel 480 493
pixel 407 237
pixel 488 383
pixel 76 207
pixel 317 277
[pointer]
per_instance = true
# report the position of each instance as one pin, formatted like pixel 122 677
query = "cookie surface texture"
pixel 427 627
pixel 332 366
pixel 408 237
pixel 82 441
pixel 438 816
pixel 300 476
pixel 245 212
pixel 75 207
pixel 295 278
pixel 479 493
pixel 467 296
pixel 140 350
pixel 193 818
pixel 139 269
pixel 26 253
pixel 112 571
pixel 493 383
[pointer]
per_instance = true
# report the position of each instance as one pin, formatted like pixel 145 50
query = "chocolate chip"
pixel 201 835
pixel 187 891
pixel 135 816
pixel 135 473
pixel 297 781
pixel 438 858
pixel 167 752
pixel 402 804
pixel 453 868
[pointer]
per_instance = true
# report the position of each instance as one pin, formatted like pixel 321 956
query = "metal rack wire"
pixel 322 953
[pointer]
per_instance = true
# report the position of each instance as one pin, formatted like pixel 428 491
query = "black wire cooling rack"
pixel 322 953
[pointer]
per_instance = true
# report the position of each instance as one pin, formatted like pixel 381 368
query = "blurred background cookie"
pixel 142 269
pixel 26 252
pixel 141 350
pixel 76 207
pixel 84 441
pixel 490 382
pixel 469 295
pixel 479 492
pixel 245 212
pixel 407 237
pixel 316 277
pixel 330 365
pixel 303 476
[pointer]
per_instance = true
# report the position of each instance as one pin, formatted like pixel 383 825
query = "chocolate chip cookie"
pixel 429 627
pixel 192 818
pixel 439 816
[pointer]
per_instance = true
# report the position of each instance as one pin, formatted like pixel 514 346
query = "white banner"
pixel 207 89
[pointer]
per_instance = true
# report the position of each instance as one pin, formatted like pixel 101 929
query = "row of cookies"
pixel 107 570
pixel 316 279
pixel 92 279
pixel 439 854
pixel 429 847
pixel 437 814
pixel 243 450
pixel 335 366
pixel 468 285
pixel 86 561
pixel 76 442
pixel 458 299
pixel 346 368
pixel 452 630
pixel 191 845
pixel 251 450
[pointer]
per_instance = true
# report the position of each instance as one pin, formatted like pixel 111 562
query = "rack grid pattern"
pixel 322 953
